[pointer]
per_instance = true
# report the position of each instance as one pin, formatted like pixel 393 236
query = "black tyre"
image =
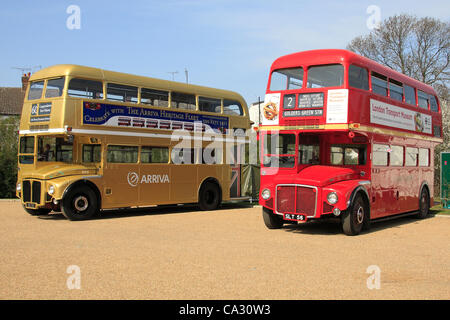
pixel 271 220
pixel 354 218
pixel 80 203
pixel 209 197
pixel 424 204
pixel 37 212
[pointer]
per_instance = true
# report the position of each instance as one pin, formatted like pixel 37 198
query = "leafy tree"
pixel 8 156
pixel 419 48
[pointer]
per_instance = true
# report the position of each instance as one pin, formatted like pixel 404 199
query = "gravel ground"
pixel 182 253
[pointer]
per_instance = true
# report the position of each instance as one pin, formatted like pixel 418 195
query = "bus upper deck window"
pixel 183 101
pixel 286 79
pixel 54 87
pixel 325 76
pixel 358 77
pixel 209 104
pixel 36 88
pixel 396 90
pixel 157 98
pixel 122 93
pixel 232 108
pixel 433 104
pixel 423 99
pixel 88 89
pixel 379 84
pixel 410 95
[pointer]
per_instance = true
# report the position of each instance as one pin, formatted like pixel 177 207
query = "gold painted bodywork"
pixel 111 179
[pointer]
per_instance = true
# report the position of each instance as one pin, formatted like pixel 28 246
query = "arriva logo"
pixel 134 180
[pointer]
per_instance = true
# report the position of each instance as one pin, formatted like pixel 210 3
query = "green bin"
pixel 445 179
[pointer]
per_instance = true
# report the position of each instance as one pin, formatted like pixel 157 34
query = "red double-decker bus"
pixel 343 136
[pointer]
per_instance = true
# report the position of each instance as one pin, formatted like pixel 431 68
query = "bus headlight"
pixel 51 190
pixel 332 198
pixel 18 187
pixel 265 194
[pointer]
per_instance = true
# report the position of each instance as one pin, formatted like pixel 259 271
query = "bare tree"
pixel 419 48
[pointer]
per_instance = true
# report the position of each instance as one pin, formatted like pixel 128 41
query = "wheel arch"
pixel 365 195
pixel 213 180
pixel 85 182
pixel 425 185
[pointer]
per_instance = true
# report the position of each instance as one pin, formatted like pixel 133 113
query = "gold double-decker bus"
pixel 92 139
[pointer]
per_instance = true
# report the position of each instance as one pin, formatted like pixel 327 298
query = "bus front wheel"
pixel 353 219
pixel 80 203
pixel 271 220
pixel 209 196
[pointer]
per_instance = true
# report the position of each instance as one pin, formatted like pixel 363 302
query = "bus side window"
pixel 183 155
pixel 379 84
pixel 358 77
pixel 157 98
pixel 423 99
pixel 209 104
pixel 395 90
pixel 232 108
pixel 433 104
pixel 154 155
pixel 424 158
pixel 88 89
pixel 122 154
pixel 380 154
pixel 410 95
pixel 411 157
pixel 396 156
pixel 119 92
pixel 91 153
pixel 183 101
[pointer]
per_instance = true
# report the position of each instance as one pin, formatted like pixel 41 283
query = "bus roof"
pixel 130 79
pixel 330 56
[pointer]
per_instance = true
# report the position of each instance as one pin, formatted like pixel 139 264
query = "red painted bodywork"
pixel 389 190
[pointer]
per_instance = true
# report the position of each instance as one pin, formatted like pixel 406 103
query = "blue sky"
pixel 227 44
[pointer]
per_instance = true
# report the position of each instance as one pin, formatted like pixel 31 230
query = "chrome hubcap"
pixel 360 215
pixel 81 203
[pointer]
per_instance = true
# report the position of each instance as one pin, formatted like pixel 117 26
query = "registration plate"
pixel 294 217
pixel 30 205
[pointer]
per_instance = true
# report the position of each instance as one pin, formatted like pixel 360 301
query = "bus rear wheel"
pixel 271 220
pixel 80 203
pixel 424 204
pixel 354 218
pixel 209 196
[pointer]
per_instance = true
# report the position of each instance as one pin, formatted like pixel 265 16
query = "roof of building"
pixel 11 101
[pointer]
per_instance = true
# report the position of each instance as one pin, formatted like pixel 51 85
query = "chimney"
pixel 25 79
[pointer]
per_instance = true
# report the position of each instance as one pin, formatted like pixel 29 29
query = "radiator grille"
pixel 36 192
pixel 296 199
pixel 31 191
pixel 26 191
